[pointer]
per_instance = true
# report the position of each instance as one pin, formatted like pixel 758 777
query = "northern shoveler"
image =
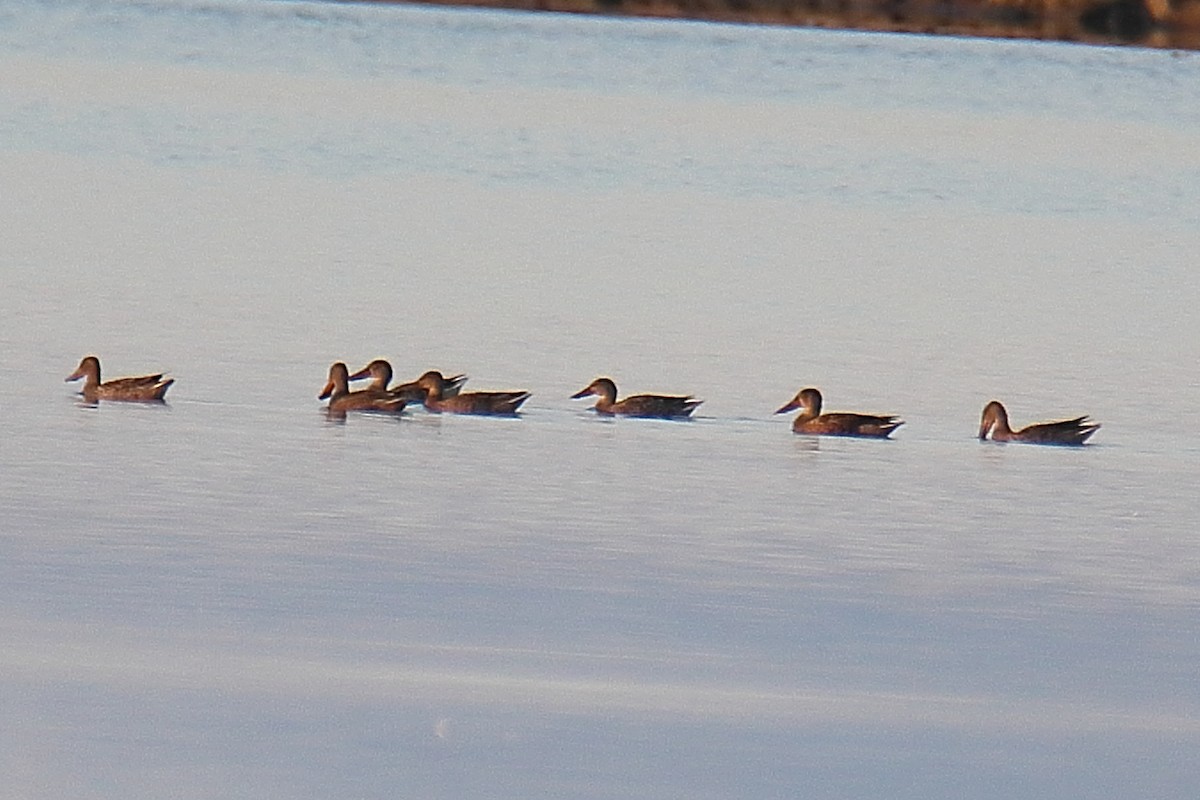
pixel 812 421
pixel 141 389
pixel 1071 432
pixel 341 399
pixel 658 406
pixel 432 385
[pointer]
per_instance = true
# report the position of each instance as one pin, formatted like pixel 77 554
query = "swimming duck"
pixel 142 389
pixel 341 399
pixel 432 384
pixel 1065 432
pixel 639 405
pixel 380 372
pixel 812 421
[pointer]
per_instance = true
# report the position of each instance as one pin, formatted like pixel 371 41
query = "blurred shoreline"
pixel 1146 23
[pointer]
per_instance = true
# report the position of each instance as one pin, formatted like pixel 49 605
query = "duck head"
pixel 88 368
pixel 603 388
pixel 338 383
pixel 379 371
pixel 808 400
pixel 995 418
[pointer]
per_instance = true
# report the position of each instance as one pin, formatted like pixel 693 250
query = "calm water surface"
pixel 232 596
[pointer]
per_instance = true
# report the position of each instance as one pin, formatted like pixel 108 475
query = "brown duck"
pixel 142 389
pixel 1072 432
pixel 380 373
pixel 812 421
pixel 433 388
pixel 657 406
pixel 341 399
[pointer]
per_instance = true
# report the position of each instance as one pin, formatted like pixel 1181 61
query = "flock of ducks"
pixel 441 394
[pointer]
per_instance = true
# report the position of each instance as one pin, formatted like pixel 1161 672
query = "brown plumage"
pixel 1071 432
pixel 141 389
pixel 812 421
pixel 639 405
pixel 380 373
pixel 341 399
pixel 432 386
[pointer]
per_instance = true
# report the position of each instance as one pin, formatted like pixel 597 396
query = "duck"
pixel 1071 432
pixel 658 406
pixel 432 386
pixel 380 373
pixel 140 389
pixel 341 399
pixel 812 421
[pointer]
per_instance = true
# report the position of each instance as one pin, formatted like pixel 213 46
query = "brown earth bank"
pixel 1149 23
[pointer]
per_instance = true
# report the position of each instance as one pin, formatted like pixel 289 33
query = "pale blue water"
pixel 231 596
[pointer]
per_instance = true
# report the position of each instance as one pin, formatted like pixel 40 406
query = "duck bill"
pixel 791 405
pixel 328 390
pixel 583 393
pixel 74 376
pixel 365 372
